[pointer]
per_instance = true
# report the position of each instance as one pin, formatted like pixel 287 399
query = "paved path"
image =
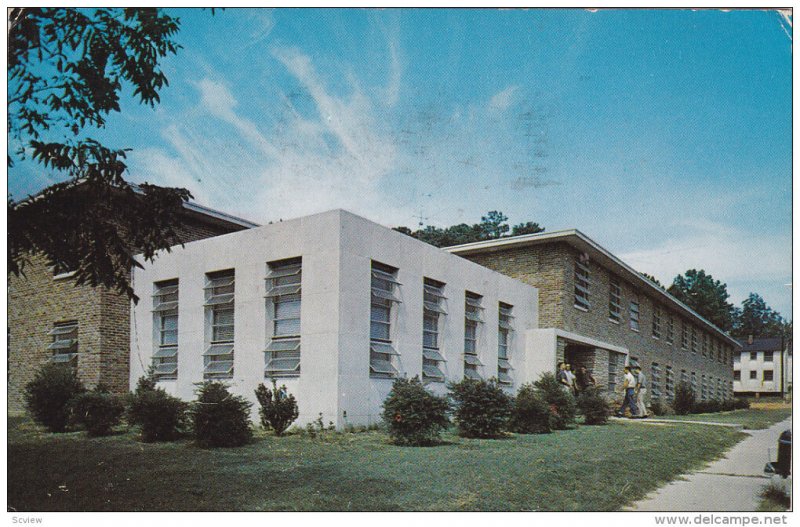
pixel 728 484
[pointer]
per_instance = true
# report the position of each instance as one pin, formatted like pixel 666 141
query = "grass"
pixel 573 470
pixel 750 418
pixel 774 499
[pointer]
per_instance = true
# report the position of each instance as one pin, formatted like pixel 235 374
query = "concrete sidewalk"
pixel 729 484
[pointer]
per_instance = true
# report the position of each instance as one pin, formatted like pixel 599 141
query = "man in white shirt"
pixel 641 389
pixel 628 388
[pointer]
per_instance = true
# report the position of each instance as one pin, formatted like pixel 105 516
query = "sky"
pixel 665 136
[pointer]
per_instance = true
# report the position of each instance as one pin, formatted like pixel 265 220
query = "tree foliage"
pixel 278 407
pixel 48 395
pixel 708 297
pixel 492 226
pixel 756 318
pixel 66 71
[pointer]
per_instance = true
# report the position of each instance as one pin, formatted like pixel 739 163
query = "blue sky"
pixel 663 135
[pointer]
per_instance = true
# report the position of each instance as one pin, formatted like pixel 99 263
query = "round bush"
pixel 741 404
pixel 98 411
pixel 161 416
pixel 560 401
pixel 531 412
pixel 594 407
pixel 48 395
pixel 278 409
pixel 481 408
pixel 684 402
pixel 413 415
pixel 219 418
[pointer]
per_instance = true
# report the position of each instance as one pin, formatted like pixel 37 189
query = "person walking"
pixel 628 388
pixel 570 379
pixel 584 380
pixel 562 376
pixel 641 389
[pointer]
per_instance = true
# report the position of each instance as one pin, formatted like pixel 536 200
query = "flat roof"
pixel 583 243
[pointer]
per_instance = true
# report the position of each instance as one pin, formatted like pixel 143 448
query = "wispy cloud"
pixel 502 100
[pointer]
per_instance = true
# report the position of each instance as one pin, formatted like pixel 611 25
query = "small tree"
pixel 98 410
pixel 531 412
pixel 219 418
pixel 278 408
pixel 413 415
pixel 48 395
pixel 684 401
pixel 481 408
pixel 594 407
pixel 161 416
pixel 561 402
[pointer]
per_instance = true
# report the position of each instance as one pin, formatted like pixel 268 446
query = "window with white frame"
pixel 582 283
pixel 720 389
pixel 703 388
pixel 684 377
pixel 670 330
pixel 473 318
pixel 218 356
pixel 384 296
pixel 768 356
pixel 504 333
pixel 634 314
pixel 669 383
pixel 768 375
pixel 614 300
pixel 694 340
pixel 655 381
pixel 694 383
pixel 656 322
pixel 614 365
pixel 64 343
pixel 684 337
pixel 165 320
pixel 433 313
pixel 705 344
pixel 712 388
pixel 282 354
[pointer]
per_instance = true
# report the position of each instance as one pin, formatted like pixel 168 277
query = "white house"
pixel 334 307
pixel 764 367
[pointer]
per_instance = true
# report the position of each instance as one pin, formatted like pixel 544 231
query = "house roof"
pixel 583 243
pixel 762 344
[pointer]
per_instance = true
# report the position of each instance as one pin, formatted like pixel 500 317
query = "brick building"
pixel 597 311
pixel 52 319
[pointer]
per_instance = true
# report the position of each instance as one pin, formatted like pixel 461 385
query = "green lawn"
pixel 750 419
pixel 571 470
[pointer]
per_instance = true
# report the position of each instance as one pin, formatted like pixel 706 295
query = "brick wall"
pixel 37 301
pixel 550 267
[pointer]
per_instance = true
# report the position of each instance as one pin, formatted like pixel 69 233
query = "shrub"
pixel 219 418
pixel 161 416
pixel 481 408
pixel 98 411
pixel 531 412
pixel 594 407
pixel 561 402
pixel 278 409
pixel 48 395
pixel 684 401
pixel 741 404
pixel 728 405
pixel 658 407
pixel 413 415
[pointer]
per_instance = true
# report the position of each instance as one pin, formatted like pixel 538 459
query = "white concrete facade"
pixel 337 250
pixel 766 372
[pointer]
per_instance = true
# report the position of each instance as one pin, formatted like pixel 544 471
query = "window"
pixel 472 321
pixel 582 283
pixel 62 270
pixel 669 383
pixel 670 330
pixel 717 351
pixel 504 332
pixel 282 354
pixel 655 381
pixel 703 388
pixel 768 375
pixel 705 345
pixel 656 322
pixel 634 314
pixel 684 377
pixel 712 388
pixel 737 375
pixel 433 313
pixel 753 355
pixel 382 354
pixel 165 318
pixel 684 337
pixel 719 393
pixel 614 363
pixel 694 383
pixel 694 340
pixel 64 344
pixel 768 356
pixel 754 375
pixel 218 357
pixel 615 300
